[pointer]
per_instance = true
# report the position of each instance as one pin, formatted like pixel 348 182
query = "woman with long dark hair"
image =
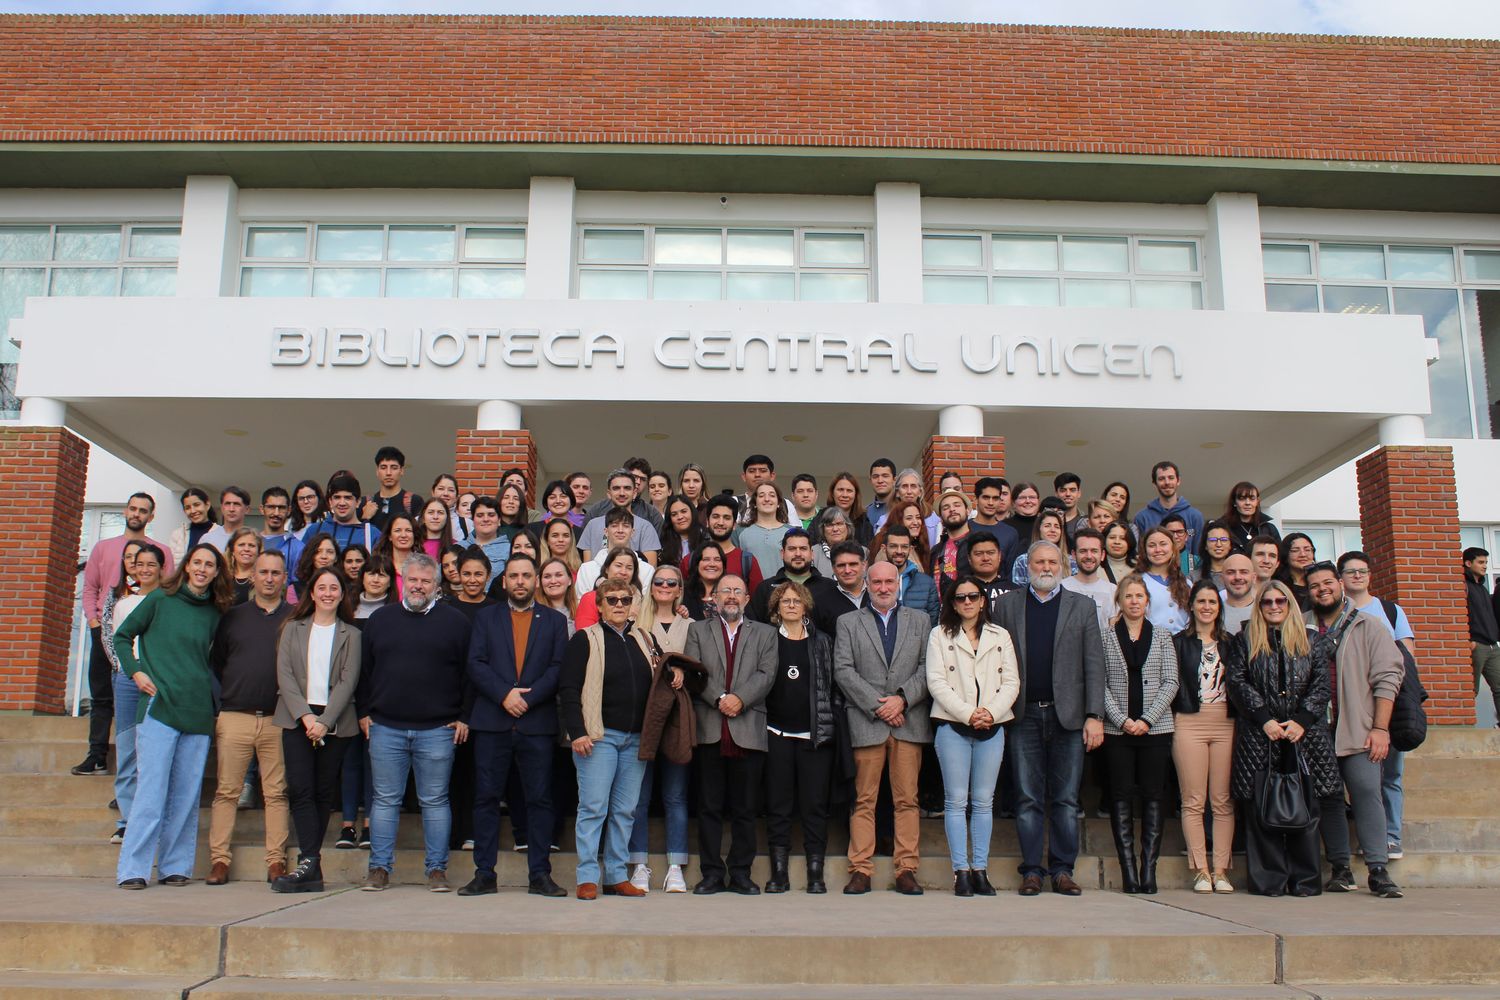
pixel 1161 570
pixel 140 574
pixel 1297 553
pixel 308 508
pixel 321 551
pixel 200 519
pixel 1025 501
pixel 843 494
pixel 1119 551
pixel 434 528
pixel 1215 546
pixel 1244 518
pixel 692 482
pixel 682 532
pixel 703 575
pixel 1203 741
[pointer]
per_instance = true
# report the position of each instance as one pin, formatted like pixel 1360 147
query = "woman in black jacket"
pixel 799 720
pixel 1244 519
pixel 1282 703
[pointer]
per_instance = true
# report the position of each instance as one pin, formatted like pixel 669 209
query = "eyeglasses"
pixel 732 591
pixel 667 584
pixel 617 601
pixel 1273 602
pixel 1351 571
pixel 966 598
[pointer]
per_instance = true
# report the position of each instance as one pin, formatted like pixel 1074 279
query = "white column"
pixel 961 421
pixel 208 260
pixel 40 411
pixel 1234 274
pixel 498 415
pixel 898 242
pixel 549 238
pixel 1402 430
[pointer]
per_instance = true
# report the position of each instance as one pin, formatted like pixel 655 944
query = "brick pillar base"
pixel 479 457
pixel 970 457
pixel 1409 522
pixel 43 471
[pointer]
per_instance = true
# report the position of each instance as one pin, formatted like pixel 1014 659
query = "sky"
pixel 1422 18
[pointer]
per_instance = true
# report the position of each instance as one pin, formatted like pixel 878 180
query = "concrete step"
pixel 52 757
pixel 1423 773
pixel 1415 871
pixel 1459 741
pixel 93 986
pixel 16 726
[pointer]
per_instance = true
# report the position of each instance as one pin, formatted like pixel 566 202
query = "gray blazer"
pixel 1158 683
pixel 860 670
pixel 1077 654
pixel 343 676
pixel 754 672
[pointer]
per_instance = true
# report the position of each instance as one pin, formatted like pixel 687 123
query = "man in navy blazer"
pixel 515 719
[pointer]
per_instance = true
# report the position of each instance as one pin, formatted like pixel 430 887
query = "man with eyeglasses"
pixel 1365 672
pixel 623 487
pixel 740 659
pixel 275 508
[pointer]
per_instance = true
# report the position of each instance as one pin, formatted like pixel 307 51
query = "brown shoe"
pixel 622 889
pixel 588 890
pixel 858 885
pixel 275 870
pixel 376 879
pixel 437 881
pixel 1064 885
pixel 1031 885
pixel 218 875
pixel 906 884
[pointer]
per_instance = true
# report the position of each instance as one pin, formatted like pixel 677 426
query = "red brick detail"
pixel 970 457
pixel 480 457
pixel 364 78
pixel 42 475
pixel 1409 523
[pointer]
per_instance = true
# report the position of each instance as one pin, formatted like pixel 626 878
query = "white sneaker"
pixel 1221 884
pixel 674 881
pixel 641 878
pixel 1203 882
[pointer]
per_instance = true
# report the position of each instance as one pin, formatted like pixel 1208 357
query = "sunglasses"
pixel 668 584
pixel 966 598
pixel 1273 602
pixel 620 602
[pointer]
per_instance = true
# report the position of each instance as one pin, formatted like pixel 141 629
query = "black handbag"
pixel 1282 795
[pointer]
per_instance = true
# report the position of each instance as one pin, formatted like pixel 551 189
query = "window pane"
pixel 1096 253
pixel 835 288
pixel 612 284
pixel 952 251
pixel 1165 255
pixel 1025 292
pixel 1344 261
pixel 1292 298
pixel 16 284
pixel 1168 295
pixel 1353 538
pixel 87 243
pixel 1471 537
pixel 1482 265
pixel 421 243
pixel 761 286
pixel 686 286
pixel 491 283
pixel 614 244
pixel 836 249
pixel 24 242
pixel 419 283
pixel 149 281
pixel 1287 260
pixel 955 289
pixel 1352 299
pixel 494 244
pixel 766 247
pixel 1447 377
pixel 689 246
pixel 1097 294
pixel 275 282
pixel 346 283
pixel 84 281
pixel 281 242
pixel 155 243
pixel 1322 542
pixel 1422 263
pixel 1023 253
pixel 349 243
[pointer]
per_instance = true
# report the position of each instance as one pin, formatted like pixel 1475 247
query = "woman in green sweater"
pixel 175 626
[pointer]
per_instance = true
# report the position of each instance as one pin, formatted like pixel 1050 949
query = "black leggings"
pixel 798 783
pixel 312 785
pixel 1138 765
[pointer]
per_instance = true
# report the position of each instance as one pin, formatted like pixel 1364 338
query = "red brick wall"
pixel 43 471
pixel 1409 522
pixel 360 78
pixel 970 457
pixel 479 458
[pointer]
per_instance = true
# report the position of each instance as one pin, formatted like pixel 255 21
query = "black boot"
pixel 779 881
pixel 1122 825
pixel 1381 883
pixel 815 883
pixel 963 882
pixel 982 885
pixel 1153 821
pixel 308 877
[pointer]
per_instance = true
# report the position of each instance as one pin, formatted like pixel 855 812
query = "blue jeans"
pixel 609 786
pixel 356 788
pixel 164 816
pixel 674 801
pixel 1048 762
pixel 1391 771
pixel 970 770
pixel 127 699
pixel 394 753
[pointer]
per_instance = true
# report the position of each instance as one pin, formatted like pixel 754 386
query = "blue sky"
pixel 1438 18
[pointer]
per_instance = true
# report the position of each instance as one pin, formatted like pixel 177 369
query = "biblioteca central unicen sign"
pixel 719 350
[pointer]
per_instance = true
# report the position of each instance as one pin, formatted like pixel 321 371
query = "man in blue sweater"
pixel 1167 480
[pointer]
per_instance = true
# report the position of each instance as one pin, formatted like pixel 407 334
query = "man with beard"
pixel 1059 715
pixel 950 560
pixel 275 508
pixel 1365 669
pixel 1238 594
pixel 740 659
pixel 719 518
pixel 917 589
pixel 1090 581
pixel 796 565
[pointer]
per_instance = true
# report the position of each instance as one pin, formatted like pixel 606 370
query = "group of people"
pixel 775 652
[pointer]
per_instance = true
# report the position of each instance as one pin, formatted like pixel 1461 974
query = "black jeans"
pixel 1138 765
pixel 461 795
pixel 727 787
pixel 798 783
pixel 493 755
pixel 1278 862
pixel 312 785
pixel 101 697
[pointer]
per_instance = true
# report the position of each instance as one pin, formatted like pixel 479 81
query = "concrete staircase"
pixel 80 936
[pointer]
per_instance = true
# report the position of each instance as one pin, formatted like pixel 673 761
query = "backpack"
pixel 1408 718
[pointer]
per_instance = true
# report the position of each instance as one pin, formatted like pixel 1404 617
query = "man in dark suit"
pixel 515 718
pixel 740 657
pixel 1056 636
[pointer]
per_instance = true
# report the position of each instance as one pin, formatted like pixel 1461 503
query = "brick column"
pixel 1409 522
pixel 43 471
pixel 479 457
pixel 970 457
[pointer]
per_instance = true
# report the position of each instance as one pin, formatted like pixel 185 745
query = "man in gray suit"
pixel 879 662
pixel 740 657
pixel 1056 636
